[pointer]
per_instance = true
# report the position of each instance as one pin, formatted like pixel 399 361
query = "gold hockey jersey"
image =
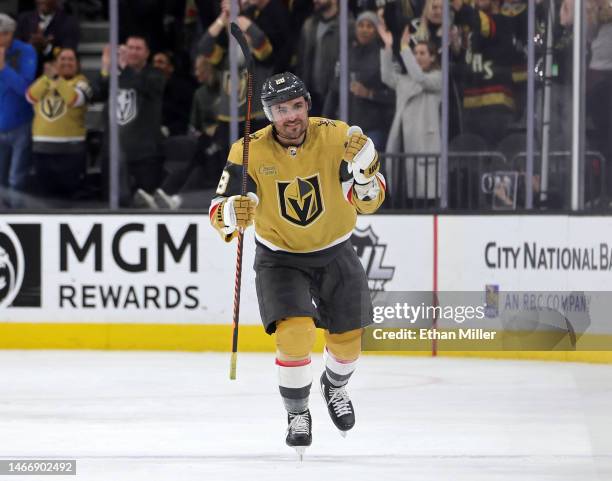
pixel 307 202
pixel 59 109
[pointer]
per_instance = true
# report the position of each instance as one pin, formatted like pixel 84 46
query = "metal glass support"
pixel 548 65
pixel 113 148
pixel 577 105
pixel 445 93
pixel 530 103
pixel 344 61
pixel 233 58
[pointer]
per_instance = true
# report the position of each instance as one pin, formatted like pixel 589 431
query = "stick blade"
pixel 244 46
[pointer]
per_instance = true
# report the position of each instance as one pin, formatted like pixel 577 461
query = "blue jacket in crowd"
pixel 15 78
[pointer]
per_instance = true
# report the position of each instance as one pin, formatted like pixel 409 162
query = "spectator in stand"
pixel 184 21
pixel 488 96
pixel 203 170
pixel 396 14
pixel 60 99
pixel 272 17
pixel 178 95
pixel 428 27
pixel 299 11
pixel 370 100
pixel 404 9
pixel 203 118
pixel 139 115
pixel 318 55
pixel 516 12
pixel 17 71
pixel 144 18
pixel 416 124
pixel 599 79
pixel 48 29
pixel 214 47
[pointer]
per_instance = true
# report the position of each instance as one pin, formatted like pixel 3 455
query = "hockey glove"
pixel 361 156
pixel 238 211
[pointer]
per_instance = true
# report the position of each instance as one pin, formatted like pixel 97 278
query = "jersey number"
pixel 222 187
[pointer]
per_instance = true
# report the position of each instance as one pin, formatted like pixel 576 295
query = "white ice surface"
pixel 176 416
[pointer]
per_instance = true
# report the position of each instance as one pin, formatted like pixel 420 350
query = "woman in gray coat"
pixel 416 124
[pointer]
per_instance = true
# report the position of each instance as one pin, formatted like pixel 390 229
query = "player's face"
pixel 291 118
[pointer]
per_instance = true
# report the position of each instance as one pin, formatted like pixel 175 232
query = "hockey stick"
pixel 239 36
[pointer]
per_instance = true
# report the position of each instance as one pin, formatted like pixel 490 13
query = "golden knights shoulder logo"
pixel 253 136
pixel 326 122
pixel 300 200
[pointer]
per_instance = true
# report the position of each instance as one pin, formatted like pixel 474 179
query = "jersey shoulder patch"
pixel 255 138
pixel 325 123
pixel 252 137
pixel 258 135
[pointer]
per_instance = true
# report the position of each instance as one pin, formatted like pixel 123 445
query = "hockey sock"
pixel 337 370
pixel 294 381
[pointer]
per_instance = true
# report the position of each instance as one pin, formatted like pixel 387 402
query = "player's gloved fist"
pixel 361 156
pixel 239 211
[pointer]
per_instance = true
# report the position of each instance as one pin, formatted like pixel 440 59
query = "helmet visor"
pixel 287 111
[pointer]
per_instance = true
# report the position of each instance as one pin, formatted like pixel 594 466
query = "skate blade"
pixel 343 433
pixel 300 452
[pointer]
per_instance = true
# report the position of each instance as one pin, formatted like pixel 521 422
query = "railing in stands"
pixel 488 181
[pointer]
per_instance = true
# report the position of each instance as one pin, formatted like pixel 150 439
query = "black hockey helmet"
pixel 282 87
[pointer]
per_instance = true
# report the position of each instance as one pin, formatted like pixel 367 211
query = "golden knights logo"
pixel 300 200
pixel 127 106
pixel 52 106
pixel 226 85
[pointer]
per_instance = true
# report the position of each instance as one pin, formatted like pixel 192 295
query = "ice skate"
pixel 339 405
pixel 299 432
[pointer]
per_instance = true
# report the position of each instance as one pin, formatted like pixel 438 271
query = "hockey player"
pixel 307 180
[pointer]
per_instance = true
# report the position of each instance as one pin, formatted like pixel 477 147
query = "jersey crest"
pixel 300 200
pixel 127 106
pixel 226 85
pixel 52 106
